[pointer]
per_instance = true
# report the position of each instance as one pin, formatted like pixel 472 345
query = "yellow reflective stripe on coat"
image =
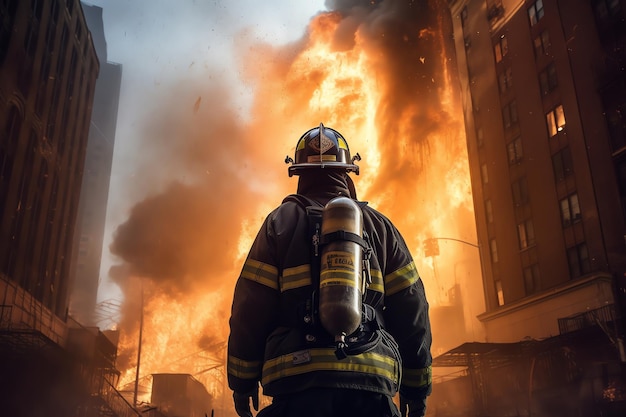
pixel 417 377
pixel 300 276
pixel 260 272
pixel 312 360
pixel 401 279
pixel 244 369
pixel 295 277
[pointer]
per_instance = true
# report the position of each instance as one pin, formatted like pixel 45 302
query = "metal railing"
pixel 599 316
pixel 117 403
pixel 20 311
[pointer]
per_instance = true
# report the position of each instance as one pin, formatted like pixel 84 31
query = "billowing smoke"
pixel 189 228
pixel 377 71
pixel 409 43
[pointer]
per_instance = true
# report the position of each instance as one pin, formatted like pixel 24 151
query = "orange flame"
pixel 414 169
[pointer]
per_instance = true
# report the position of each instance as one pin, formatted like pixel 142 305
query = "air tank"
pixel 340 293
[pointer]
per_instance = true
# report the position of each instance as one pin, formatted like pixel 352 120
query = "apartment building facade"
pixel 544 124
pixel 543 90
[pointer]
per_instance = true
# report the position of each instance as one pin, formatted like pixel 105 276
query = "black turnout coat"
pixel 269 342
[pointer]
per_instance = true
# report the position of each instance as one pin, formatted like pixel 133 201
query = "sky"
pixel 161 43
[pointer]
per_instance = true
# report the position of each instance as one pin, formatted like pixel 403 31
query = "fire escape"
pixel 533 377
pixel 38 349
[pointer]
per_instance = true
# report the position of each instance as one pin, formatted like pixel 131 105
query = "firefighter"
pixel 277 339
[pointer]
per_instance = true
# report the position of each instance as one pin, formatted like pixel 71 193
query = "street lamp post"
pixel 431 248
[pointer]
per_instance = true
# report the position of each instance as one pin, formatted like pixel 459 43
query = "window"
pixel 555 120
pixel 562 164
pixel 604 8
pixel 8 146
pixel 509 114
pixel 526 234
pixel 501 48
pixel 614 100
pixel 7 13
pixel 480 137
pixel 531 279
pixel 30 40
pixel 514 150
pixel 464 16
pixel 489 211
pixel 505 80
pixel 499 292
pixel 484 174
pixel 578 260
pixel 62 50
pixel 54 11
pixel 547 79
pixel 542 44
pixel 570 210
pixel 520 192
pixel 493 248
pixel 535 12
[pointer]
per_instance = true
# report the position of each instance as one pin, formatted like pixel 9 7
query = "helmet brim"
pixel 298 169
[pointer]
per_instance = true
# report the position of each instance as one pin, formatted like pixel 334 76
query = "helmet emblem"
pixel 322 144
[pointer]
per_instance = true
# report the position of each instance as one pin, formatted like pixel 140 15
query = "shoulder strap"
pixel 314 215
pixel 302 201
pixel 314 211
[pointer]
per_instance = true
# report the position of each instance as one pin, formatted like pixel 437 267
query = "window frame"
pixel 501 48
pixel 555 120
pixel 526 234
pixel 535 12
pixel 578 260
pixel 514 150
pixel 542 44
pixel 570 210
pixel 548 80
pixel 562 164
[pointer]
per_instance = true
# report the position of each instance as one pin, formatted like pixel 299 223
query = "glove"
pixel 414 408
pixel 242 402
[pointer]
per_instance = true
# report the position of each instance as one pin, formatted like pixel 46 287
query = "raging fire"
pixel 379 74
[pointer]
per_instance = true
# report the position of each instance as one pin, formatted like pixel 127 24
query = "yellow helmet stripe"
pixel 342 143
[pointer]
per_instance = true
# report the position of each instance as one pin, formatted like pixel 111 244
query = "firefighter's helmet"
pixel 322 147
